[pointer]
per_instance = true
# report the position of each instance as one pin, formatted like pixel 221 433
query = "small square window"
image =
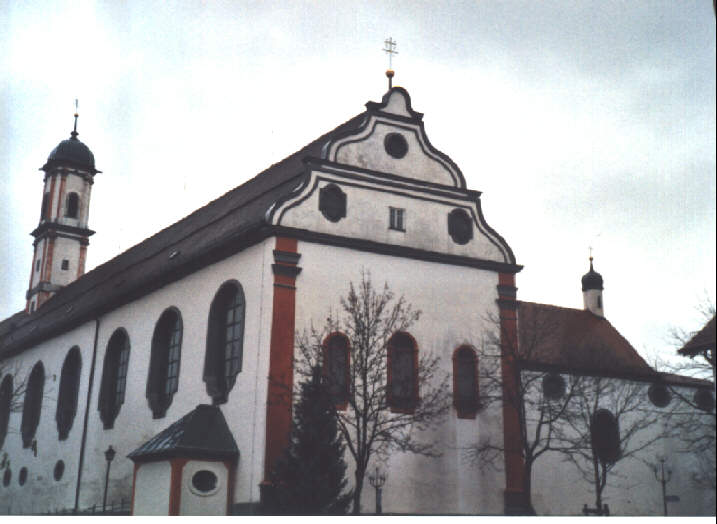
pixel 65 264
pixel 396 219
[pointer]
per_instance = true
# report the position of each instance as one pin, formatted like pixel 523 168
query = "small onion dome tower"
pixel 62 236
pixel 592 291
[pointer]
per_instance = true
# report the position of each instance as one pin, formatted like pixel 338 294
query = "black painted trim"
pixel 393 250
pixel 287 257
pixel 453 171
pixel 336 168
pixel 288 271
pixel 52 227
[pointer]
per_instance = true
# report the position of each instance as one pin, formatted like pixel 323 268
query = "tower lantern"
pixel 592 291
pixel 62 235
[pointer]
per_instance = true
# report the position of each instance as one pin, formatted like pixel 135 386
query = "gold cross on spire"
pixel 390 48
pixel 74 131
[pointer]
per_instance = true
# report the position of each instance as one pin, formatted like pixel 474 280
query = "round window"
pixel 704 400
pixel 204 482
pixel 659 395
pixel 22 477
pixel 395 145
pixel 7 477
pixel 59 470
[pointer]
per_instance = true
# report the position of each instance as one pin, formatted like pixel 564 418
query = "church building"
pixel 154 377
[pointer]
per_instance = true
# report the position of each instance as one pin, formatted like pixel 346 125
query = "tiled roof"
pixel 577 341
pixel 207 235
pixel 703 339
pixel 202 433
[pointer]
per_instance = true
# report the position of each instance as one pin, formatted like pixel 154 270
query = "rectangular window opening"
pixel 396 219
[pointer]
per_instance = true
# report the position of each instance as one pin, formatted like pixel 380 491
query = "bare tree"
pixel 370 425
pixel 542 399
pixel 13 383
pixel 611 422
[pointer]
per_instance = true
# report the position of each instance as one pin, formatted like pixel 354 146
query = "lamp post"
pixel 109 457
pixel 663 479
pixel 377 480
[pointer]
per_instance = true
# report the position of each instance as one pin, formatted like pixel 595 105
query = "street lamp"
pixel 663 479
pixel 109 457
pixel 377 480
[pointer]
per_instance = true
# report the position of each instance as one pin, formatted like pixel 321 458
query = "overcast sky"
pixel 583 123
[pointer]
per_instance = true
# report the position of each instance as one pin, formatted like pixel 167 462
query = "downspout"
pixel 87 416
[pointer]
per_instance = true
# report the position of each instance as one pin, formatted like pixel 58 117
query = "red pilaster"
pixel 51 200
pixel 61 196
pixel 175 485
pixel 515 496
pixel 281 353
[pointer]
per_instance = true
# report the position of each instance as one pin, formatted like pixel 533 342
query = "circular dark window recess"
pixel 704 400
pixel 7 477
pixel 395 145
pixel 460 226
pixel 59 470
pixel 22 477
pixel 332 202
pixel 659 395
pixel 553 386
pixel 204 481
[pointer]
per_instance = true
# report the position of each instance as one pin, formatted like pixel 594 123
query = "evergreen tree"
pixel 310 476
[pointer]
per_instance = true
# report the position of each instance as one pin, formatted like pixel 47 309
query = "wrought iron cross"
pixel 390 48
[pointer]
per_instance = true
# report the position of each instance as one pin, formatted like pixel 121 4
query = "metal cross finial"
pixel 390 48
pixel 74 131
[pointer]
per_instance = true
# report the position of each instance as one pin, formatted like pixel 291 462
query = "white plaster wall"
pixel 152 489
pixel 559 489
pixel 245 411
pixel 41 492
pixel 65 249
pixel 454 302
pixel 367 217
pixel 75 183
pixel 192 503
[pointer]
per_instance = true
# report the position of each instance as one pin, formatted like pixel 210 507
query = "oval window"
pixel 553 386
pixel 204 481
pixel 395 145
pixel 22 477
pixel 59 470
pixel 703 400
pixel 659 395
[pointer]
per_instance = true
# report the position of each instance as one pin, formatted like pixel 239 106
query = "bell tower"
pixel 592 291
pixel 62 236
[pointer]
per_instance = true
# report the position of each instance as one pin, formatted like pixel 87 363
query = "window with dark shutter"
pixel 402 372
pixel 69 390
pixel 225 339
pixel 33 404
pixel 465 382
pixel 5 406
pixel 114 377
pixel 337 360
pixel 72 205
pixel 163 380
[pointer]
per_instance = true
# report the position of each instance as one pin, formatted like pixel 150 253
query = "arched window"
pixel 225 339
pixel 72 205
pixel 402 373
pixel 163 377
pixel 32 405
pixel 114 377
pixel 69 390
pixel 45 211
pixel 5 406
pixel 336 367
pixel 465 382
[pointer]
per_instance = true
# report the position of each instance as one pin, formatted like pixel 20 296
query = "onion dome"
pixel 592 279
pixel 73 153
